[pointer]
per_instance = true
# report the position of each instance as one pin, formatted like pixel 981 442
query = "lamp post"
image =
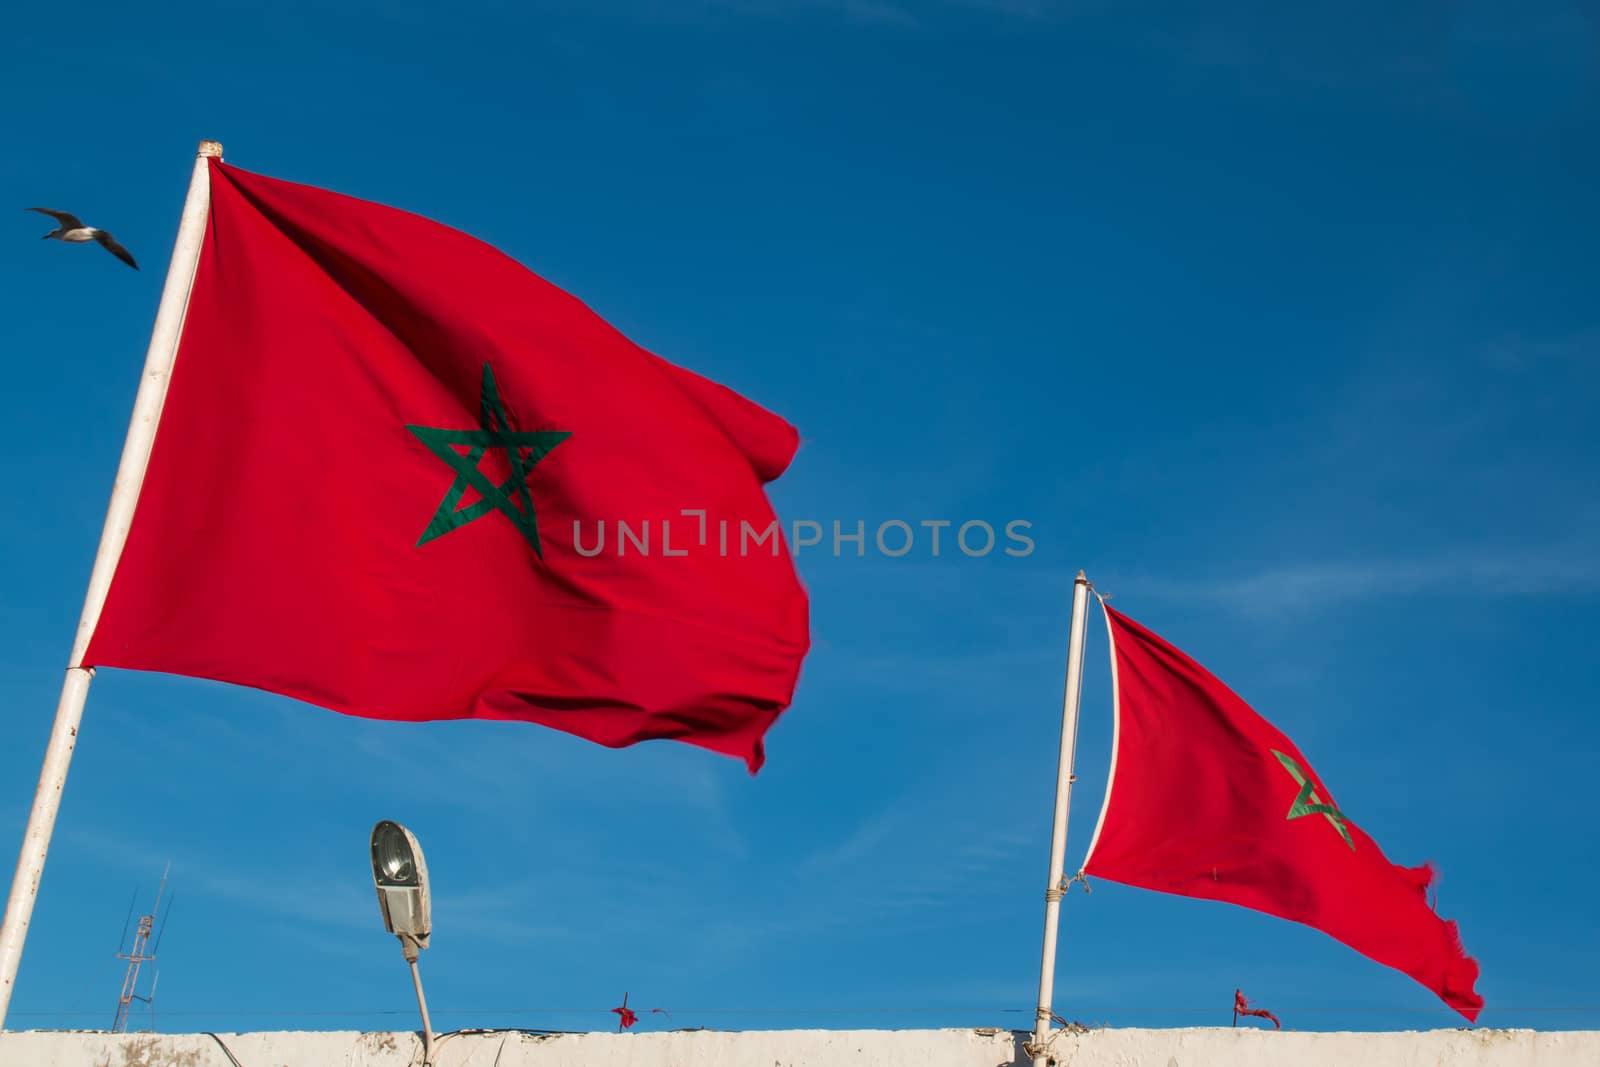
pixel 401 878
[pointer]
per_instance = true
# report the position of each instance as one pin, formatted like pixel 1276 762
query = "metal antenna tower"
pixel 141 952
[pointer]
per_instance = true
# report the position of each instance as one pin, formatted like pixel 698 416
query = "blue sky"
pixel 1281 324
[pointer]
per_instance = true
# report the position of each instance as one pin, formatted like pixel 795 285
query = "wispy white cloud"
pixel 700 790
pixel 903 13
pixel 335 900
pixel 1307 587
pixel 502 914
pixel 880 11
pixel 1031 9
pixel 911 672
pixel 1516 352
pixel 911 860
pixel 870 836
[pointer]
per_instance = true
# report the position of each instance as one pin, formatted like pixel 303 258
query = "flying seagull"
pixel 70 229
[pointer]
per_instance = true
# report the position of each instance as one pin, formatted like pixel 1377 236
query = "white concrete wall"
pixel 811 1048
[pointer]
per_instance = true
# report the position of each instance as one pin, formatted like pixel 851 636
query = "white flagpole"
pixel 119 516
pixel 1058 838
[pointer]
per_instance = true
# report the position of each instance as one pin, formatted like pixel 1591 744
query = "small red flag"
pixel 385 460
pixel 1242 1006
pixel 1208 799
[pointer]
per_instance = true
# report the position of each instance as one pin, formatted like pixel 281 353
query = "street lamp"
pixel 401 877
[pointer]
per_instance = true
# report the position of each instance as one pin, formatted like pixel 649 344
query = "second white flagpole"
pixel 119 516
pixel 1058 836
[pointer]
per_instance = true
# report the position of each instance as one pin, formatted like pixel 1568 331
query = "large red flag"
pixel 392 476
pixel 1208 799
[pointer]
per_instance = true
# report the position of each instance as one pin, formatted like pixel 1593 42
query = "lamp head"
pixel 401 878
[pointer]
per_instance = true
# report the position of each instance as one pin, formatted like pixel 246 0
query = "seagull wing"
pixel 68 222
pixel 109 243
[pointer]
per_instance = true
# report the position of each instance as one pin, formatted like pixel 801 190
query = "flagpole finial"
pixel 1082 578
pixel 211 149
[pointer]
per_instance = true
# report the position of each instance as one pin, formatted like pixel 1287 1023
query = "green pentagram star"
pixel 1306 802
pixel 511 498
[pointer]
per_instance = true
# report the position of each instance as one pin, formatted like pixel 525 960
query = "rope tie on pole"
pixel 1035 1049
